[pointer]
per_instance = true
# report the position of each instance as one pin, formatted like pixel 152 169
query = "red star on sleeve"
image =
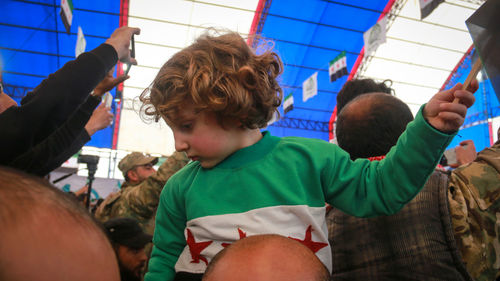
pixel 314 246
pixel 242 235
pixel 195 248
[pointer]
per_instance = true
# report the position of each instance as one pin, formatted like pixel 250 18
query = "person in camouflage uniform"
pixel 474 198
pixel 140 193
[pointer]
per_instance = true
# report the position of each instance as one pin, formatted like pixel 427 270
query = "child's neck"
pixel 250 137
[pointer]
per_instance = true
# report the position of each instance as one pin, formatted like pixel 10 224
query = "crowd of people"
pixel 234 202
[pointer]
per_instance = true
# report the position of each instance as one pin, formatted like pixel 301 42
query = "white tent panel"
pixel 420 54
pixel 412 53
pixel 407 73
pixel 138 135
pixel 140 78
pixel 165 29
pixel 171 10
pixel 414 96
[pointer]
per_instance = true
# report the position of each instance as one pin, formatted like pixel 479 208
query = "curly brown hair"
pixel 220 74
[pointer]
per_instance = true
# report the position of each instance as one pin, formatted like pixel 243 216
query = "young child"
pixel 216 95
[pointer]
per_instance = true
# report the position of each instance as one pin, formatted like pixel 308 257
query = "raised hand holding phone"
pixel 132 54
pixel 120 40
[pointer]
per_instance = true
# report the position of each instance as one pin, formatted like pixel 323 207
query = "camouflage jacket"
pixel 141 201
pixel 474 198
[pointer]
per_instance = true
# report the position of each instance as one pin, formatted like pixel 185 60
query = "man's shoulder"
pixel 112 197
pixel 105 210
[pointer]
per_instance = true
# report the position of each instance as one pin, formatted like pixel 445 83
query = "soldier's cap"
pixel 126 232
pixel 135 159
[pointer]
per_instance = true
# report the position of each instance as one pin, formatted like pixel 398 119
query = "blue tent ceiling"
pixel 34 42
pixel 307 35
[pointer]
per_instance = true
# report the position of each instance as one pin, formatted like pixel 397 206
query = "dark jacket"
pixel 50 105
pixel 417 243
pixel 63 143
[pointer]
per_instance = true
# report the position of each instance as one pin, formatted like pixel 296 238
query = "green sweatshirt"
pixel 280 185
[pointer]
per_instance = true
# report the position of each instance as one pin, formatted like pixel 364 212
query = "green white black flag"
pixel 274 118
pixel 337 67
pixel 67 13
pixel 288 103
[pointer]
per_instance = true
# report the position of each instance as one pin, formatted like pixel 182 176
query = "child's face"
pixel 202 138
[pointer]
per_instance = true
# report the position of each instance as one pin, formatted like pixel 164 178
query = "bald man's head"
pixel 266 257
pixel 46 235
pixel 371 124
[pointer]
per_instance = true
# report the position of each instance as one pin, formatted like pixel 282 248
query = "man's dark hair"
pixel 357 87
pixel 371 124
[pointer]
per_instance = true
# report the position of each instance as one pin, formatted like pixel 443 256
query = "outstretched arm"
pixel 363 188
pixel 69 138
pixel 50 104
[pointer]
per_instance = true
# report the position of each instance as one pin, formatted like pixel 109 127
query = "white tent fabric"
pixel 419 55
pixel 167 27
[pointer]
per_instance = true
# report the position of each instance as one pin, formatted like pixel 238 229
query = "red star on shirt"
pixel 195 248
pixel 242 235
pixel 314 246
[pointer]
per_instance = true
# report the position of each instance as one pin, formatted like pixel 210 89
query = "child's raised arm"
pixel 445 115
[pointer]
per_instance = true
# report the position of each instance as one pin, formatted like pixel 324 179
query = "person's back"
pixel 414 244
pixel 216 95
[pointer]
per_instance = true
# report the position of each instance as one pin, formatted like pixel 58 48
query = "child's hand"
pixel 445 115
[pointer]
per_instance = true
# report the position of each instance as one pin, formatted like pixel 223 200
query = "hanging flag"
pixel 427 6
pixel 67 13
pixel 273 119
pixel 375 36
pixel 81 43
pixel 338 67
pixel 310 87
pixel 288 103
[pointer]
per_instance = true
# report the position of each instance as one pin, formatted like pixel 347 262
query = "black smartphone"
pixel 132 53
